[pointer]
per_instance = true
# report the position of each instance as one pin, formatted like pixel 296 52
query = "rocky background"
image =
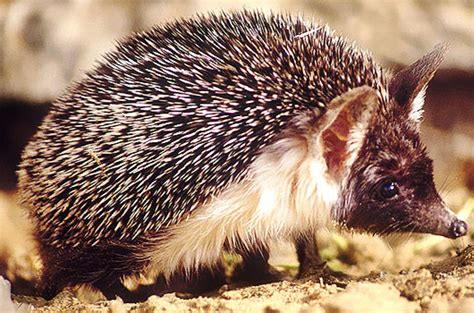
pixel 46 44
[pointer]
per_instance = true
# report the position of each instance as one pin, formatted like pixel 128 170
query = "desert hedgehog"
pixel 222 132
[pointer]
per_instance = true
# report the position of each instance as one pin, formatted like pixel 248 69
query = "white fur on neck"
pixel 417 106
pixel 287 192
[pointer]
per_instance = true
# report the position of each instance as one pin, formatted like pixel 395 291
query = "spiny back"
pixel 175 115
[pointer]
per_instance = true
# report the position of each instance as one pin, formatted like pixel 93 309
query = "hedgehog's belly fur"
pixel 277 201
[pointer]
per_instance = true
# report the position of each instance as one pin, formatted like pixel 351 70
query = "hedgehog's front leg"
pixel 196 283
pixel 308 256
pixel 255 268
pixel 311 264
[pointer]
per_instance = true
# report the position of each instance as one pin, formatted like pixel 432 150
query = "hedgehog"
pixel 220 133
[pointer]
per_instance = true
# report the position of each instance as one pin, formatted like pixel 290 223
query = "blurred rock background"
pixel 46 44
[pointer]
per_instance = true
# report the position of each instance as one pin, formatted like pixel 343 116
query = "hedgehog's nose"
pixel 458 228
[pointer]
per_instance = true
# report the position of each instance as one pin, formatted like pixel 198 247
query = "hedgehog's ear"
pixel 408 86
pixel 343 127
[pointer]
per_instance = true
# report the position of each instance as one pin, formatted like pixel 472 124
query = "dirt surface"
pixel 426 274
pixel 445 286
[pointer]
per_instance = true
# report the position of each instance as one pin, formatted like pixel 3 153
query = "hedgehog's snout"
pixel 439 220
pixel 458 228
pixel 450 226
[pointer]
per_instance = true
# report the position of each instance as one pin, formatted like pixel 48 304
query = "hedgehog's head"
pixel 374 151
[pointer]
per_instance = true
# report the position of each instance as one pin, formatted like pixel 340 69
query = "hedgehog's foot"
pixel 187 286
pixel 117 289
pixel 323 274
pixel 51 282
pixel 49 292
pixel 312 267
pixel 190 285
pixel 205 280
pixel 255 269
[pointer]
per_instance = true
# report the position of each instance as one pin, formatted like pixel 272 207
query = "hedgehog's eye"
pixel 389 189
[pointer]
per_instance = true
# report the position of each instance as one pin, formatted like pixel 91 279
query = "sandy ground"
pixel 427 274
